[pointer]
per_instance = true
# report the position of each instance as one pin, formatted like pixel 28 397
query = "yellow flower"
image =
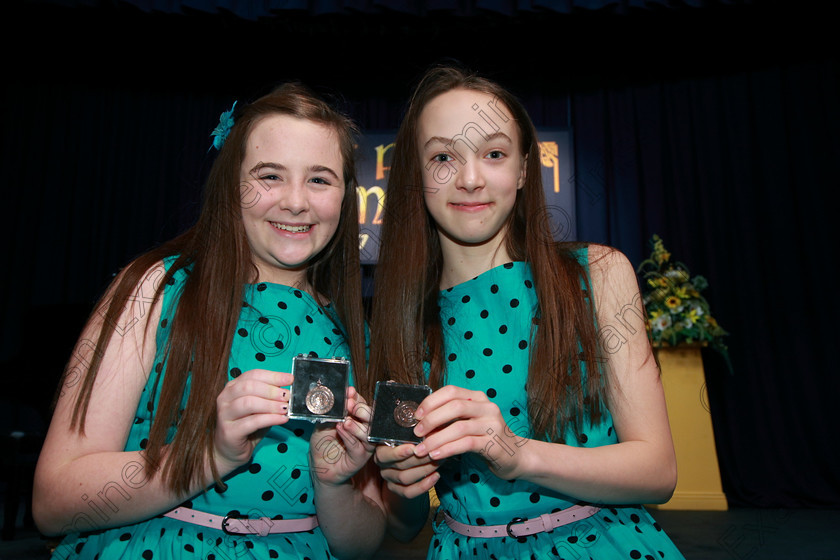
pixel 673 302
pixel 693 315
pixel 681 293
pixel 655 313
pixel 658 281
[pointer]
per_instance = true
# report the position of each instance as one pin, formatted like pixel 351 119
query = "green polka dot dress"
pixel 277 323
pixel 487 328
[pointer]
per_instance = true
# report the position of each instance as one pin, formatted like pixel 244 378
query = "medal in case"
pixel 319 390
pixel 393 412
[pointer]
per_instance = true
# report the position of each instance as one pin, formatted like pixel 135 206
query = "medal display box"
pixel 393 412
pixel 319 390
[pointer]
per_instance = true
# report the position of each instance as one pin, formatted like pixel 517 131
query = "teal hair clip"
pixel 220 133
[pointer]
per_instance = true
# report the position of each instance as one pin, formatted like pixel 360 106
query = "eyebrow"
pixel 447 141
pixel 279 167
pixel 324 169
pixel 266 165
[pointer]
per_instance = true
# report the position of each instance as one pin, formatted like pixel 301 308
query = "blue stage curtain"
pixel 252 10
pixel 733 172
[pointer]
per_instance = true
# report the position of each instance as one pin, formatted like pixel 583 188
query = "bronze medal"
pixel 404 413
pixel 319 399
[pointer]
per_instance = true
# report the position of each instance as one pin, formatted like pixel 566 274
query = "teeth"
pixel 294 229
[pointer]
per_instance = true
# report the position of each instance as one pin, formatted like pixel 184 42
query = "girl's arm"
pixel 85 481
pixel 406 482
pixel 641 468
pixel 347 494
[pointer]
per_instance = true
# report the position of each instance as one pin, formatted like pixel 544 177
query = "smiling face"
pixel 472 167
pixel 292 187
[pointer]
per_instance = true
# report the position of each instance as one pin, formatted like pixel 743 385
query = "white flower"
pixel 661 323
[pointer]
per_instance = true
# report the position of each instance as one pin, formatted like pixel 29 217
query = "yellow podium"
pixel 698 473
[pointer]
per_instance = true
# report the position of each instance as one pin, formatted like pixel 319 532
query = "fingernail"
pixel 420 450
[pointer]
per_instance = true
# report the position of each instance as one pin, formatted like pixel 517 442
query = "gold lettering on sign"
pixel 363 194
pixel 548 157
pixel 381 150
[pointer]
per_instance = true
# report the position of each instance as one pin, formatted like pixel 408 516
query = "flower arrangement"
pixel 677 313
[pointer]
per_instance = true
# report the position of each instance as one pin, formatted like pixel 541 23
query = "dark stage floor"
pixel 737 534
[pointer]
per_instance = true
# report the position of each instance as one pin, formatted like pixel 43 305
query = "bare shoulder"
pixel 608 265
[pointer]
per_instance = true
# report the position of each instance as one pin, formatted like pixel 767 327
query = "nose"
pixel 469 176
pixel 295 197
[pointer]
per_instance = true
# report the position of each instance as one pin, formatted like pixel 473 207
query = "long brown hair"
pixel 409 269
pixel 217 253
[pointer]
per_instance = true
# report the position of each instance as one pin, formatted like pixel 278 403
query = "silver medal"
pixel 319 399
pixel 404 413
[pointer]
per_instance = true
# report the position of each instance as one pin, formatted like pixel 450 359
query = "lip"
pixel 470 206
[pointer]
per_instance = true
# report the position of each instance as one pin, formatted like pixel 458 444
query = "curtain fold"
pixel 733 173
pixel 252 10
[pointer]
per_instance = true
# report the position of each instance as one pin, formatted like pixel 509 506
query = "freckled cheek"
pixel 256 211
pixel 331 209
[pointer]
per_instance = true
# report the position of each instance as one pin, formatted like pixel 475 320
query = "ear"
pixel 523 172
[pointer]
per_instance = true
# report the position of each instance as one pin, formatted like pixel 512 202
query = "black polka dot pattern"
pixel 487 324
pixel 276 323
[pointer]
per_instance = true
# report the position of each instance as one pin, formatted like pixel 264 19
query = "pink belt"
pixel 261 526
pixel 520 527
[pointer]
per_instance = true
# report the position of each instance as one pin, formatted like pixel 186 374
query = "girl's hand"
pixel 406 474
pixel 339 450
pixel 454 420
pixel 245 409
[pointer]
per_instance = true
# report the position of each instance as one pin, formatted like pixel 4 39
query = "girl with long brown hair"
pixel 171 435
pixel 547 426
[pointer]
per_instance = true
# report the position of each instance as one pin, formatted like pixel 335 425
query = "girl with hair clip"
pixel 171 436
pixel 542 437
